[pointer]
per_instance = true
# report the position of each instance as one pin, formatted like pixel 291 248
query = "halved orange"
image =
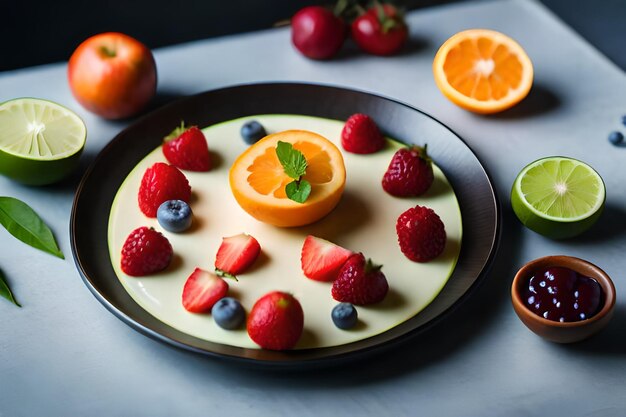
pixel 257 179
pixel 483 71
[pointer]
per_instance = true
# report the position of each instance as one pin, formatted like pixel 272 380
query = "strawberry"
pixel 360 282
pixel 361 135
pixel 236 254
pixel 410 172
pixel 145 252
pixel 186 148
pixel 160 183
pixel 421 234
pixel 322 259
pixel 276 321
pixel 202 290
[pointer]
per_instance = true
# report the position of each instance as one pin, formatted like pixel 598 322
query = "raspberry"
pixel 360 282
pixel 421 234
pixel 410 172
pixel 361 135
pixel 160 183
pixel 145 251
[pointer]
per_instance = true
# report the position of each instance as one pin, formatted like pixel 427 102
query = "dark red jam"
pixel 560 294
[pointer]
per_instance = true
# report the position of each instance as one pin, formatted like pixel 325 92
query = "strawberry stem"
pixel 176 132
pixel 225 274
pixel 341 7
pixel 371 266
pixel 386 22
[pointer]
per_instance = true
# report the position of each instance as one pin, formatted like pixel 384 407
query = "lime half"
pixel 558 197
pixel 40 141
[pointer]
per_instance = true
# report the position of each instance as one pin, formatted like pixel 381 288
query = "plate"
pixel 473 188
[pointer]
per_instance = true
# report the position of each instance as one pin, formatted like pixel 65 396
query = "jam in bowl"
pixel 562 298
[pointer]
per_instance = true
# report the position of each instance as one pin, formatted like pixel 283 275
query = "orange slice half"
pixel 483 71
pixel 257 179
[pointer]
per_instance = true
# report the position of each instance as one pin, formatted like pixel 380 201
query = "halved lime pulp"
pixel 40 141
pixel 558 197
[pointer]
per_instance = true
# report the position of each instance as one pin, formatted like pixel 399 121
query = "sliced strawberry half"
pixel 236 254
pixel 186 148
pixel 321 259
pixel 202 290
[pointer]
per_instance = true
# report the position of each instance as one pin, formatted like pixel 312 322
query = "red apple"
pixel 112 75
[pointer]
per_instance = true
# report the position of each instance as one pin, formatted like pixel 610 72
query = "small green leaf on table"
pixel 5 291
pixel 22 222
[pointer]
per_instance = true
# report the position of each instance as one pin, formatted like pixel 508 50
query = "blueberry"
pixel 616 138
pixel 252 131
pixel 228 313
pixel 174 216
pixel 624 120
pixel 344 316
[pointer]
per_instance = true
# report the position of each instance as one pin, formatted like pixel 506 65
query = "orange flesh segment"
pixel 482 69
pixel 267 175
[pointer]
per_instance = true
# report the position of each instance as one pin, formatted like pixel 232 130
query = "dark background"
pixel 39 32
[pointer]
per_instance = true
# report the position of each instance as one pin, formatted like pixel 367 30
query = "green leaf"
pixel 5 291
pixel 176 132
pixel 292 160
pixel 22 222
pixel 298 191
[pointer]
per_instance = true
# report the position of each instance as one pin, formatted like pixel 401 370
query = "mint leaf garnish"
pixel 294 163
pixel 22 222
pixel 298 191
pixel 292 160
pixel 5 291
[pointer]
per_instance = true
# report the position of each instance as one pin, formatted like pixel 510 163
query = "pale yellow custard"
pixel 364 221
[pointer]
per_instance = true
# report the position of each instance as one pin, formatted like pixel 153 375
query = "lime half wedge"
pixel 40 141
pixel 558 197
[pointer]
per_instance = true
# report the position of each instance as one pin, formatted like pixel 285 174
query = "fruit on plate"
pixel 258 179
pixel 252 131
pixel 112 75
pixel 228 313
pixel 202 290
pixel 145 252
pixel 558 197
pixel 361 135
pixel 360 282
pixel 186 149
pixel 160 183
pixel 236 254
pixel 483 71
pixel 40 141
pixel 174 216
pixel 380 30
pixel 317 33
pixel 421 234
pixel 321 259
pixel 344 316
pixel 410 172
pixel 276 321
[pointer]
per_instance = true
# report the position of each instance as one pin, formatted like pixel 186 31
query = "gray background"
pixel 42 31
pixel 63 354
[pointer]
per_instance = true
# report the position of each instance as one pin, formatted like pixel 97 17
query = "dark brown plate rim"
pixel 477 197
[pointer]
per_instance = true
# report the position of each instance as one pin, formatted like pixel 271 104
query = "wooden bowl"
pixel 567 332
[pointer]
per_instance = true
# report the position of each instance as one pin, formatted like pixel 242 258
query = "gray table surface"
pixel 63 354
